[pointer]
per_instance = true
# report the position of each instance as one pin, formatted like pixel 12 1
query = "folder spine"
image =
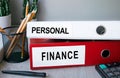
pixel 87 30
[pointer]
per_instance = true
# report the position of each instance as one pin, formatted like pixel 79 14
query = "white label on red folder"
pixel 58 56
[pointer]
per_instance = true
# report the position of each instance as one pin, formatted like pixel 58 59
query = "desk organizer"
pixel 5 21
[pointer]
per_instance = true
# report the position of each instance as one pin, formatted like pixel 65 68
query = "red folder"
pixel 96 52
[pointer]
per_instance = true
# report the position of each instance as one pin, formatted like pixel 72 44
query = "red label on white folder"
pixel 58 56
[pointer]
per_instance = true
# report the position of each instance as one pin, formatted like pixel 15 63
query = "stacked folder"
pixel 73 43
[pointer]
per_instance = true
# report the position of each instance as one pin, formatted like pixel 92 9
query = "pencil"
pixel 2 30
pixel 23 34
pixel 23 44
pixel 27 9
pixel 20 30
pixel 9 50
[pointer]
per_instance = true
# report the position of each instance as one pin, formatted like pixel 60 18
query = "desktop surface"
pixel 70 72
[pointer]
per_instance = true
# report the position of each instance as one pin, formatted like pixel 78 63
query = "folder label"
pixel 58 56
pixel 50 30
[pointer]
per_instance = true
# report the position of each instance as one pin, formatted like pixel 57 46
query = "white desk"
pixel 71 72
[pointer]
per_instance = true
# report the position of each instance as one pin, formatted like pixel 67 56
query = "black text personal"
pixel 63 55
pixel 50 30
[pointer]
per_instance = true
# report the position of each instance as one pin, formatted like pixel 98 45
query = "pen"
pixel 25 73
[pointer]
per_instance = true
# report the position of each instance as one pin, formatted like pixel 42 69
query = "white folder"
pixel 95 30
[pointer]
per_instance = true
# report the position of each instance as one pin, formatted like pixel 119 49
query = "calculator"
pixel 111 70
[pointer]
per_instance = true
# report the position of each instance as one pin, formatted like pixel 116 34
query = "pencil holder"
pixel 5 21
pixel 19 52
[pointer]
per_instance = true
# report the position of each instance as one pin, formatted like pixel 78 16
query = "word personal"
pixel 50 30
pixel 59 55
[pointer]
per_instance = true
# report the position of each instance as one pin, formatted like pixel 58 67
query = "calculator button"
pixel 117 73
pixel 103 66
pixel 110 74
pixel 115 64
pixel 118 67
pixel 109 65
pixel 113 69
pixel 106 70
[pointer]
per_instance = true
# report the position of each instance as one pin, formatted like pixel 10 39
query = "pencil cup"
pixel 5 21
pixel 20 51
